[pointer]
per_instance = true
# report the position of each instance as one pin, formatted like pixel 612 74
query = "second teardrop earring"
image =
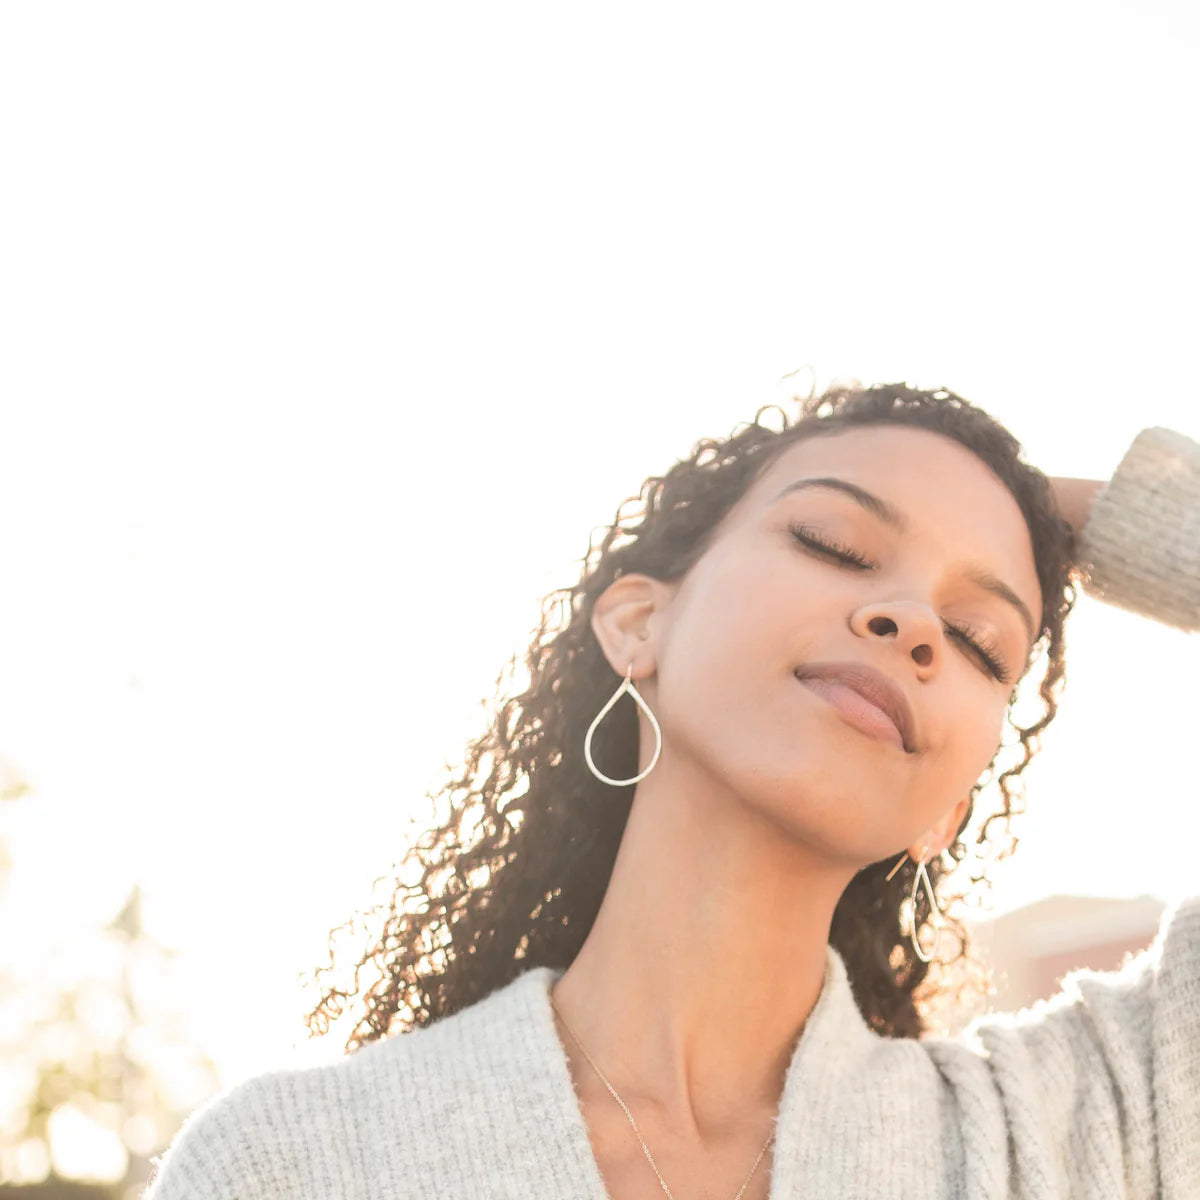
pixel 626 686
pixel 935 912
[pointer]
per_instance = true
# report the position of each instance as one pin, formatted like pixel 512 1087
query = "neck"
pixel 705 960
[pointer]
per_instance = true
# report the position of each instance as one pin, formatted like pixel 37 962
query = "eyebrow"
pixel 892 516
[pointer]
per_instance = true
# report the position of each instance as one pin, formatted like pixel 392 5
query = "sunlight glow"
pixel 320 377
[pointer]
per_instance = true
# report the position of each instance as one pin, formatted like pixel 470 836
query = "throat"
pixel 712 1168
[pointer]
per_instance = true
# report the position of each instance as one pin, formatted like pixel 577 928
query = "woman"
pixel 673 944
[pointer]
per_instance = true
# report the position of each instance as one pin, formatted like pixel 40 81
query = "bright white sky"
pixel 329 333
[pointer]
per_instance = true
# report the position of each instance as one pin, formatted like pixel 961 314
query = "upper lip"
pixel 874 686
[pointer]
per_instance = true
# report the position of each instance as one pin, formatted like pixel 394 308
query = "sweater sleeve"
pixel 240 1145
pixel 1176 1042
pixel 1100 1086
pixel 1140 547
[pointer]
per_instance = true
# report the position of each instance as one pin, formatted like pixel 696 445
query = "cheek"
pixel 712 675
pixel 987 740
pixel 726 624
pixel 723 685
pixel 965 752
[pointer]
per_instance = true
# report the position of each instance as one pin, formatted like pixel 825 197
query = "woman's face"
pixel 929 521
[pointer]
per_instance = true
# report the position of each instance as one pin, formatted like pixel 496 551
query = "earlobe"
pixel 622 620
pixel 938 837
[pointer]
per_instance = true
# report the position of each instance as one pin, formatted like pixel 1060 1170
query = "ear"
pixel 626 618
pixel 938 836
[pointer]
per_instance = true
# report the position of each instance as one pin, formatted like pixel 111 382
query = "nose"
pixel 914 628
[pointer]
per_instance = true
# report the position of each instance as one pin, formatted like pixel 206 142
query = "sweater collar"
pixel 828 1055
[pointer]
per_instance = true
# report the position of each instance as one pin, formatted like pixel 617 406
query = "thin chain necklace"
pixel 625 1107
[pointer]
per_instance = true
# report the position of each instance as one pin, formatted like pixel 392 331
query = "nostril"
pixel 923 654
pixel 882 625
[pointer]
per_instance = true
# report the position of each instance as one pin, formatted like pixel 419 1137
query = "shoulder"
pixel 1103 1078
pixel 363 1124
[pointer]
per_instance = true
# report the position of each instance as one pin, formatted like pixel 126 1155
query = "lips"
pixel 874 687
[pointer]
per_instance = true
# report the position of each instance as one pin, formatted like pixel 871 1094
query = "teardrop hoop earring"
pixel 626 686
pixel 920 874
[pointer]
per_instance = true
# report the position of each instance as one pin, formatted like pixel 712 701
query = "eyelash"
pixel 982 646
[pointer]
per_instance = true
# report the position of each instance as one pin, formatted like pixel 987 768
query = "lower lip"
pixel 856 710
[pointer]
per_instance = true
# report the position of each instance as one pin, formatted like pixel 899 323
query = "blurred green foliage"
pixel 96 1067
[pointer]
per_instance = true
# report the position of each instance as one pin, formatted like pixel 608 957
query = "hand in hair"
pixel 1074 499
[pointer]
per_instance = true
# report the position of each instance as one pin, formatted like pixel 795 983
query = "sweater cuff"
pixel 1140 547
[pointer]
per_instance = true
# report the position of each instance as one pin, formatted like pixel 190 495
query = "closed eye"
pixel 983 647
pixel 985 650
pixel 804 536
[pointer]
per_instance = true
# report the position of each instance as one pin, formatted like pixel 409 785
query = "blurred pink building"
pixel 1030 949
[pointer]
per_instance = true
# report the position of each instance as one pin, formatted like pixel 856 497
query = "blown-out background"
pixel 330 334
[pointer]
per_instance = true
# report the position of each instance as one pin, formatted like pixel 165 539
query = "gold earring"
pixel 921 873
pixel 626 686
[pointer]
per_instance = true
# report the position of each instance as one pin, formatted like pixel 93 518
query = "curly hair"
pixel 511 874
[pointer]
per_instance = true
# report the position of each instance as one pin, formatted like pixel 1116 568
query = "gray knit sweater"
pixel 1095 1093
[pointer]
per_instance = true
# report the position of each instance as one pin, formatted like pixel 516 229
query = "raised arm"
pixel 1139 532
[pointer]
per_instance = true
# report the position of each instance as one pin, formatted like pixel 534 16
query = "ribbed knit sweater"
pixel 1095 1093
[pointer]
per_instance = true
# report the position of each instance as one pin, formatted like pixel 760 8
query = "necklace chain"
pixel 625 1109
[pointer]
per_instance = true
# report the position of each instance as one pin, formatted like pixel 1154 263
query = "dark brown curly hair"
pixel 512 870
